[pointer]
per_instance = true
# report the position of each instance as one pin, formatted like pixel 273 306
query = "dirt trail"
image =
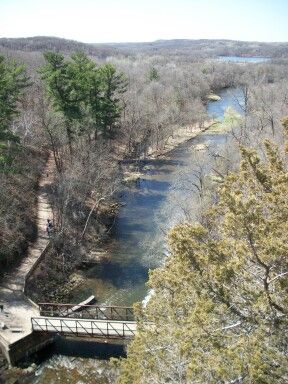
pixel 17 308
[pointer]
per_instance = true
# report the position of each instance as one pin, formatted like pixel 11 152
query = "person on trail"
pixel 49 227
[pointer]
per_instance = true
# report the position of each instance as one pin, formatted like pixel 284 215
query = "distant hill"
pixel 44 43
pixel 206 47
pixel 182 47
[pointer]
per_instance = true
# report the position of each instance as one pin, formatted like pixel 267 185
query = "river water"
pixel 138 243
pixel 238 59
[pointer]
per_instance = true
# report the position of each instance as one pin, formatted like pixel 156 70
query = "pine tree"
pixel 219 309
pixel 13 80
pixel 83 93
pixel 112 85
pixel 63 90
pixel 153 74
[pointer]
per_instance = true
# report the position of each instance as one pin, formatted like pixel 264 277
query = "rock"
pixel 213 97
pixel 200 147
pixel 3 325
pixel 30 369
pixel 148 167
pixel 131 176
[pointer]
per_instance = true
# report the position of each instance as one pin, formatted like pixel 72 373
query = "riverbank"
pixel 16 375
pixel 181 136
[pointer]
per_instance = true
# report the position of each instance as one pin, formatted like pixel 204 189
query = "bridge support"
pixel 25 347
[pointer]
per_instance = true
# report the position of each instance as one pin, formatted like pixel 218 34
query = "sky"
pixel 101 21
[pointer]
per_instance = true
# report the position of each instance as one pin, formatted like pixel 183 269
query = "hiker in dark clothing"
pixel 49 227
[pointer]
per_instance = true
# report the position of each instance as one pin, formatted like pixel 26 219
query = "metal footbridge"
pixel 85 321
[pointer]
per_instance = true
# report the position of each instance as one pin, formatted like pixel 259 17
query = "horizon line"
pixel 146 42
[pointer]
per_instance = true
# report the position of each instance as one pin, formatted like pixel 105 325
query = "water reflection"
pixel 120 275
pixel 232 97
pixel 239 59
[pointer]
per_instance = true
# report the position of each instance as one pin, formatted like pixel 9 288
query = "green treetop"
pixel 112 85
pixel 153 74
pixel 62 85
pixel 83 93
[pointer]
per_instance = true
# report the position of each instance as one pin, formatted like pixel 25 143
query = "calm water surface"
pixel 239 59
pixel 232 98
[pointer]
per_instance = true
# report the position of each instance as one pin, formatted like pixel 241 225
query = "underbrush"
pixel 18 205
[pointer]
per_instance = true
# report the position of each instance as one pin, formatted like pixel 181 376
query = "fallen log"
pixel 78 307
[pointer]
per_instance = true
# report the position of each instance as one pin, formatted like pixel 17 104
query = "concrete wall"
pixel 25 347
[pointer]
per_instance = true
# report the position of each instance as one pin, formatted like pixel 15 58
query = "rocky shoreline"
pixel 16 375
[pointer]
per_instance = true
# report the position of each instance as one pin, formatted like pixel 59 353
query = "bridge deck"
pixel 85 327
pixel 86 311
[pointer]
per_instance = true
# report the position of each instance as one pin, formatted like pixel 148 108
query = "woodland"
pixel 218 313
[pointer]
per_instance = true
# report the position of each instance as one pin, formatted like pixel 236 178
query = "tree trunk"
pixel 97 203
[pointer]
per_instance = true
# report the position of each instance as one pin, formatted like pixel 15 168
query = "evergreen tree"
pixel 13 80
pixel 153 74
pixel 112 84
pixel 83 92
pixel 61 81
pixel 219 309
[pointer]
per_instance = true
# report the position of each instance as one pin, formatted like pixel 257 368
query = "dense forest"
pixel 206 48
pixel 218 313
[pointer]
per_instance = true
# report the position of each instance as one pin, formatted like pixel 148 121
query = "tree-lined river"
pixel 150 208
pixel 137 244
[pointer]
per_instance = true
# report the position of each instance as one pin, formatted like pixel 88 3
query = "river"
pixel 138 243
pixel 238 59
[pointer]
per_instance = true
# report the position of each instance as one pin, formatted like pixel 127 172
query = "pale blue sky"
pixel 147 20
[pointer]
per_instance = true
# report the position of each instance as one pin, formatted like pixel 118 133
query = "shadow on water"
pixel 151 162
pixel 88 349
pixel 119 275
pixel 77 348
pixel 144 199
pixel 159 171
pixel 154 185
pixel 135 227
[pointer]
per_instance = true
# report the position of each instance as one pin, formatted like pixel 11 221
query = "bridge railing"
pixel 86 311
pixel 82 328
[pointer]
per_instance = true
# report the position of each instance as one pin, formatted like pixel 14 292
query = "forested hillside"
pixel 44 43
pixel 206 48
